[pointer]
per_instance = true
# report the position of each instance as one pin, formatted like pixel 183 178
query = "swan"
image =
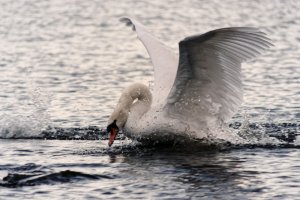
pixel 194 92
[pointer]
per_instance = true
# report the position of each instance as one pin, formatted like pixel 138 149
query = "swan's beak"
pixel 113 135
pixel 113 129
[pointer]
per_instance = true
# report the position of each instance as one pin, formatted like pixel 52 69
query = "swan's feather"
pixel 208 80
pixel 164 61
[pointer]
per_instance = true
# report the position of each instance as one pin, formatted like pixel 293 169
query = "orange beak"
pixel 112 137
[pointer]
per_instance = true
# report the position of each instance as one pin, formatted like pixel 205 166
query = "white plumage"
pixel 200 87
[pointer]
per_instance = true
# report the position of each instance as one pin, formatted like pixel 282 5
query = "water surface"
pixel 63 65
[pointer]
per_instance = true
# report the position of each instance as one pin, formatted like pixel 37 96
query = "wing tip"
pixel 128 22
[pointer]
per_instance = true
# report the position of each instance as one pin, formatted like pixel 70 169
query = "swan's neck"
pixel 134 101
pixel 136 93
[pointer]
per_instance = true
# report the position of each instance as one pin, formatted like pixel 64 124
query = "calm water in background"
pixel 64 64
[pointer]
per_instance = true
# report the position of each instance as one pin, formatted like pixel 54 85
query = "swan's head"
pixel 116 121
pixel 137 99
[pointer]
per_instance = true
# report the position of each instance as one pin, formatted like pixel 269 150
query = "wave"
pixel 31 179
pixel 32 174
pixel 255 134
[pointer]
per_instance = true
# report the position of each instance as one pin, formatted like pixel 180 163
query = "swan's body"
pixel 200 90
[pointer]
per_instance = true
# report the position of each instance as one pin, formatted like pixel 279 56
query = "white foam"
pixel 33 118
pixel 21 126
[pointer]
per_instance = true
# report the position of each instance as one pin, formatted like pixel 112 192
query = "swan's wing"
pixel 164 61
pixel 208 80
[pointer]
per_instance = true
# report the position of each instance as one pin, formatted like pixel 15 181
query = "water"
pixel 87 170
pixel 63 65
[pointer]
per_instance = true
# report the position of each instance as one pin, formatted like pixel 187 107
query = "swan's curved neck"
pixel 136 92
pixel 136 100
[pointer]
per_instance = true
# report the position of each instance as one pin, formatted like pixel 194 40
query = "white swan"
pixel 193 92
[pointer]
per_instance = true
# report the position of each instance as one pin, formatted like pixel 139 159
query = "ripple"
pixel 32 179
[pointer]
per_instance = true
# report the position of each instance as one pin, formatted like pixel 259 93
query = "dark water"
pixel 63 65
pixel 89 170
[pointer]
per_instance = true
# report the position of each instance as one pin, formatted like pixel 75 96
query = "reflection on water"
pixel 89 169
pixel 229 175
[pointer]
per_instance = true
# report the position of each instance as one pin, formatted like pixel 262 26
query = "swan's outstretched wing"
pixel 164 61
pixel 208 80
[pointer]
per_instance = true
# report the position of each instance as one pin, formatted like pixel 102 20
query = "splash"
pixel 237 133
pixel 32 109
pixel 31 122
